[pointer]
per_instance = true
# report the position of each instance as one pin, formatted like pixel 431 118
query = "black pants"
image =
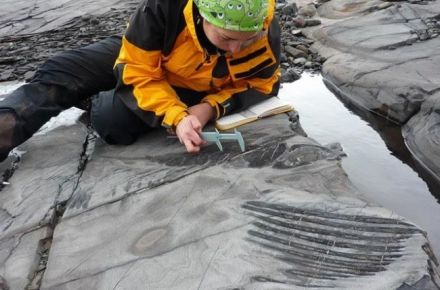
pixel 66 80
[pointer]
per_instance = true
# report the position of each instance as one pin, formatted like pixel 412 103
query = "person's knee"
pixel 12 132
pixel 109 122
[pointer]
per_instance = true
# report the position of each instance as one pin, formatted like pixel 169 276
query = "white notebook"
pixel 269 107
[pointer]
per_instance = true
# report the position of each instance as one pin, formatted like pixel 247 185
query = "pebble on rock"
pixel 384 5
pixel 290 75
pixel 308 64
pixel 299 22
pixel 295 53
pixel 296 32
pixel 28 75
pixel 300 61
pixel 290 9
pixel 308 10
pixel 303 48
pixel 312 22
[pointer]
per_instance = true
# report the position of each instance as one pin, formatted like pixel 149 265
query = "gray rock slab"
pixel 338 9
pixel 377 59
pixel 296 53
pixel 383 61
pixel 394 90
pixel 19 258
pixel 282 215
pixel 205 242
pixel 21 17
pixel 422 134
pixel 46 174
pixel 114 172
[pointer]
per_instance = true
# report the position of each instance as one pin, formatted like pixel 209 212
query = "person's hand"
pixel 188 131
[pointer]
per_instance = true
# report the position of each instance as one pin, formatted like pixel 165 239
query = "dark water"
pixel 378 163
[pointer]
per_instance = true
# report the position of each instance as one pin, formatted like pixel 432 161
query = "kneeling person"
pixel 179 65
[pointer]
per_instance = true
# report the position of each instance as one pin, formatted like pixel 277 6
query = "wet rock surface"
pixel 383 57
pixel 22 52
pixel 281 215
pixel 422 133
pixel 23 17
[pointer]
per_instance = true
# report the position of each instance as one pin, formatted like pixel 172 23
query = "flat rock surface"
pixel 47 169
pixel 384 57
pixel 19 258
pixel 281 215
pixel 138 167
pixel 21 17
pixel 26 42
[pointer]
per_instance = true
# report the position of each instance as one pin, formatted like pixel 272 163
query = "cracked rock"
pixel 290 9
pixel 294 52
pixel 364 72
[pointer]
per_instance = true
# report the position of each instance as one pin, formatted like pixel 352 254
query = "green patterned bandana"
pixel 237 15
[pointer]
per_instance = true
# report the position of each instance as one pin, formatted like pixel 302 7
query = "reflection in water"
pixel 391 133
pixel 371 166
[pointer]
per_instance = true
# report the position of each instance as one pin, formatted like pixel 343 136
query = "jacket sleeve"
pixel 255 88
pixel 243 94
pixel 142 83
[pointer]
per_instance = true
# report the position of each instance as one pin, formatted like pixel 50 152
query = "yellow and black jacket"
pixel 165 49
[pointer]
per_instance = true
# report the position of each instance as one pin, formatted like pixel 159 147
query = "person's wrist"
pixel 210 110
pixel 203 112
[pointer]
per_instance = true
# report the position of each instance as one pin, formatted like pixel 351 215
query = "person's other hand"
pixel 188 131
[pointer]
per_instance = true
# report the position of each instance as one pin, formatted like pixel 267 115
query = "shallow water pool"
pixel 371 166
